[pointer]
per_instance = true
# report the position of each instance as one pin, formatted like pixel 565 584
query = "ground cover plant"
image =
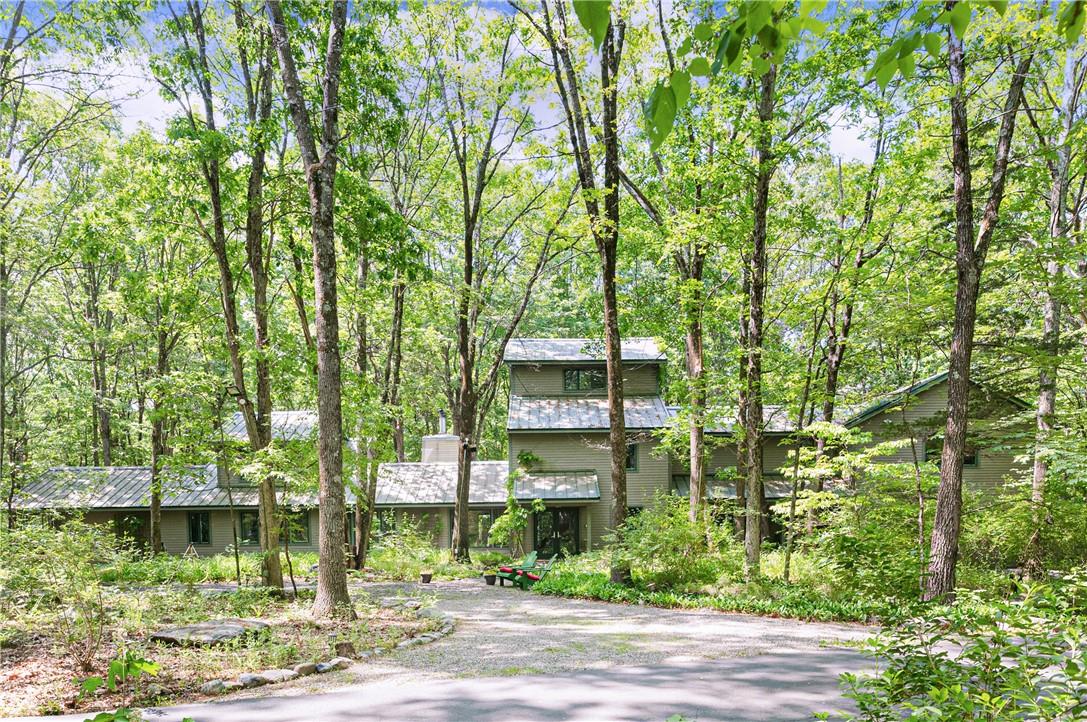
pixel 62 623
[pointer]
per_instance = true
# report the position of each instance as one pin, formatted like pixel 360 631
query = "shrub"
pixel 993 660
pixel 664 549
pixel 49 574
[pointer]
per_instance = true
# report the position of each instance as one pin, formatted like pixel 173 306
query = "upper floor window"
pixel 934 449
pixel 584 379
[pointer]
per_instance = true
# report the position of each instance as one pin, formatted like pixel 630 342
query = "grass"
pixel 586 577
pixel 37 679
pixel 169 569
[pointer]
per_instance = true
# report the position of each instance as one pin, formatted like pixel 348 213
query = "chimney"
pixel 440 448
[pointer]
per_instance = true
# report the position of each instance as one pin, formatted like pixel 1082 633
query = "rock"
pixel 155 690
pixel 252 680
pixel 404 644
pixel 412 604
pixel 345 649
pixel 305 668
pixel 213 631
pixel 215 686
pixel 333 664
pixel 231 685
pixel 430 613
pixel 275 676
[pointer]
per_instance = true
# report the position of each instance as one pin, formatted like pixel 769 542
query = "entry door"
pixel 556 532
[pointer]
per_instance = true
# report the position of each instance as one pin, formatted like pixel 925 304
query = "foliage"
pixel 513 521
pixel 664 549
pixel 995 660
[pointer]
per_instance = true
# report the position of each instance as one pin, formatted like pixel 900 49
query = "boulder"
pixel 252 680
pixel 213 631
pixel 305 668
pixel 333 664
pixel 215 686
pixel 274 676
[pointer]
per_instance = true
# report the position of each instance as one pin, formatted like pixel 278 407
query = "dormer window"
pixel 934 447
pixel 584 380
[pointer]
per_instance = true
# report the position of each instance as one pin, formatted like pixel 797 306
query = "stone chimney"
pixel 440 448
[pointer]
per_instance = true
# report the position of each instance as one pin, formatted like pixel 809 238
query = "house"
pixel 557 427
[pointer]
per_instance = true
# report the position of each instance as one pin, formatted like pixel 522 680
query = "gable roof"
pixel 904 393
pixel 583 350
pixel 128 487
pixel 537 413
pixel 287 425
pixel 419 484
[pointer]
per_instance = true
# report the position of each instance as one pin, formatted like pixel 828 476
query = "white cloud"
pixel 137 98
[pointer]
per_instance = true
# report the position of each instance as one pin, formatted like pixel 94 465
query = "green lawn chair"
pixel 512 572
pixel 530 575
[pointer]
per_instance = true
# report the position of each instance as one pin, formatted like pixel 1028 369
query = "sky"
pixel 140 103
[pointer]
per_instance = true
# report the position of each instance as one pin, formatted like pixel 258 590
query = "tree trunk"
pixel 969 263
pixel 158 436
pixel 332 598
pixel 756 270
pixel 1051 319
pixel 697 400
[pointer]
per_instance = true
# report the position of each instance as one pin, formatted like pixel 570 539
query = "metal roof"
pixel 291 425
pixel 535 413
pixel 418 484
pixel 585 350
pixel 128 487
pixel 774 488
pixel 775 420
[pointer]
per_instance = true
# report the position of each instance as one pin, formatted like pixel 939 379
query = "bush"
pixel 48 577
pixel 409 550
pixel 986 660
pixel 664 549
pixel 169 569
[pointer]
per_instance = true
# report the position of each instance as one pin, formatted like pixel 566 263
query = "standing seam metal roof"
pixel 585 350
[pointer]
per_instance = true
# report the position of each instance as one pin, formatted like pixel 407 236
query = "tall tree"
pixel 319 159
pixel 599 191
pixel 972 241
pixel 198 70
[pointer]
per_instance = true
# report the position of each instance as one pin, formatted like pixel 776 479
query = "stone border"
pixel 275 676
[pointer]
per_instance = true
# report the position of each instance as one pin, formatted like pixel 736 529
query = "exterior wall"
pixel 546 380
pixel 721 467
pixel 926 414
pixel 440 449
pixel 589 451
pixel 175 532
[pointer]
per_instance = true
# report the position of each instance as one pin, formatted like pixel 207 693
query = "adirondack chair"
pixel 512 572
pixel 528 576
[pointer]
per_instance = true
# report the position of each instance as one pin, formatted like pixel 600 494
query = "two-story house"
pixel 558 452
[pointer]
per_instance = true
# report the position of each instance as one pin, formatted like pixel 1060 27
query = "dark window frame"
pixel 632 456
pixel 934 450
pixel 243 538
pixel 494 512
pixel 301 515
pixel 584 379
pixel 205 516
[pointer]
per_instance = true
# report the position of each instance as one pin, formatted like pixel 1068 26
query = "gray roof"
pixel 586 350
pixel 774 488
pixel 775 421
pixel 128 487
pixel 535 413
pixel 412 483
pixel 293 425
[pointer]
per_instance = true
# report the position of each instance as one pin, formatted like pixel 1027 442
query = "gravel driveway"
pixel 518 656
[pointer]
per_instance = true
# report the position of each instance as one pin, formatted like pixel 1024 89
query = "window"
pixel 479 527
pixel 633 511
pixel 934 449
pixel 296 523
pixel 248 527
pixel 199 527
pixel 386 521
pixel 632 457
pixel 681 484
pixel 583 379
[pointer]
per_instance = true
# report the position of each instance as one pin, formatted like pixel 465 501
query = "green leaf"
pixel 758 16
pixel 703 31
pixel 595 17
pixel 959 18
pixel 681 87
pixel 1071 20
pixel 934 44
pixel 700 67
pixel 812 7
pixel 884 73
pixel 1001 6
pixel 906 66
pixel 684 47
